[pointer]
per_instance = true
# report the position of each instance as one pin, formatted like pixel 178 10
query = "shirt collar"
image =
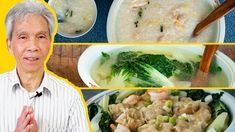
pixel 44 86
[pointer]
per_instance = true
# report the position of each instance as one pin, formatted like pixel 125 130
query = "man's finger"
pixel 28 128
pixel 27 110
pixel 34 123
pixel 21 118
pixel 26 121
pixel 31 118
pixel 30 109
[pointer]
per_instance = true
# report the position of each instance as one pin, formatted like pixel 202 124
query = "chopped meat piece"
pixel 153 110
pixel 122 128
pixel 117 109
pixel 131 100
pixel 131 118
pixel 147 128
pixel 138 3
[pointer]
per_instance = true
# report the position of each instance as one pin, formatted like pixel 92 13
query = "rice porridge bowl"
pixel 163 20
pixel 79 16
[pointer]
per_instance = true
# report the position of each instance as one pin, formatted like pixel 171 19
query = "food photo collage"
pixel 118 66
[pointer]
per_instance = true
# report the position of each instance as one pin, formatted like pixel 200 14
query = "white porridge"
pixel 79 15
pixel 163 20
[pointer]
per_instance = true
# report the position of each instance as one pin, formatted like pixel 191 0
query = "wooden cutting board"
pixel 63 62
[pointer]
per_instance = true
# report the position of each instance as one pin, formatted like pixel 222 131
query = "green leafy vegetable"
pixel 68 13
pixel 152 75
pixel 100 119
pixel 95 114
pixel 140 12
pixel 142 70
pixel 124 62
pixel 175 92
pixel 140 92
pixel 136 23
pixel 220 123
pixel 172 120
pixel 147 103
pixel 196 94
pixel 78 31
pixel 120 78
pixel 104 58
pixel 150 70
pixel 217 106
pixel 161 28
pixel 95 122
pixel 214 68
pixel 112 98
pixel 127 56
pixel 101 122
pixel 159 62
pixel 105 122
pixel 185 71
pixel 92 110
pixel 104 103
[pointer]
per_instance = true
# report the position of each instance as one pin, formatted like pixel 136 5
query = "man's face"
pixel 30 42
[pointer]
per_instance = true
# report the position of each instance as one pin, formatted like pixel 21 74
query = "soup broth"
pixel 101 72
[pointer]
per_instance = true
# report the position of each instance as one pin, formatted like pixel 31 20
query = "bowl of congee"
pixel 151 66
pixel 75 17
pixel 162 21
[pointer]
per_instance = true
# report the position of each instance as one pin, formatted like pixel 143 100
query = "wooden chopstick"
pixel 223 9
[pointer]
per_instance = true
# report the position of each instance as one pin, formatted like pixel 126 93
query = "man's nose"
pixel 33 45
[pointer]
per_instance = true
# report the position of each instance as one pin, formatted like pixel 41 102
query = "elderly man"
pixel 30 98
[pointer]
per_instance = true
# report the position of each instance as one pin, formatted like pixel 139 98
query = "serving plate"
pixel 227 99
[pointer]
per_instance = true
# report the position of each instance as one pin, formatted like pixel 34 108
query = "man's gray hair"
pixel 25 8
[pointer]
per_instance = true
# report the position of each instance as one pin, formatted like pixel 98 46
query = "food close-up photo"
pixel 139 65
pixel 144 20
pixel 152 110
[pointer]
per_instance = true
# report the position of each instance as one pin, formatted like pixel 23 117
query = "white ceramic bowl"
pixel 228 99
pixel 82 33
pixel 93 53
pixel 114 10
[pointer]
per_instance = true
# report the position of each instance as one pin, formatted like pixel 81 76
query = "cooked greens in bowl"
pixel 152 67
pixel 161 110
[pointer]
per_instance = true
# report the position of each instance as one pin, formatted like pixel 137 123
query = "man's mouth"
pixel 31 58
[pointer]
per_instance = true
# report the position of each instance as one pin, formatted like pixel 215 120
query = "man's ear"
pixel 9 46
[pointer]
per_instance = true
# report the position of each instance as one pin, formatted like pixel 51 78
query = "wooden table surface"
pixel 64 59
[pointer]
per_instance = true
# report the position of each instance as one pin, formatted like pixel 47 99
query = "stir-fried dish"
pixel 159 111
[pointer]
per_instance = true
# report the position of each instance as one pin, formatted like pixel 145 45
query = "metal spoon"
pixel 60 18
